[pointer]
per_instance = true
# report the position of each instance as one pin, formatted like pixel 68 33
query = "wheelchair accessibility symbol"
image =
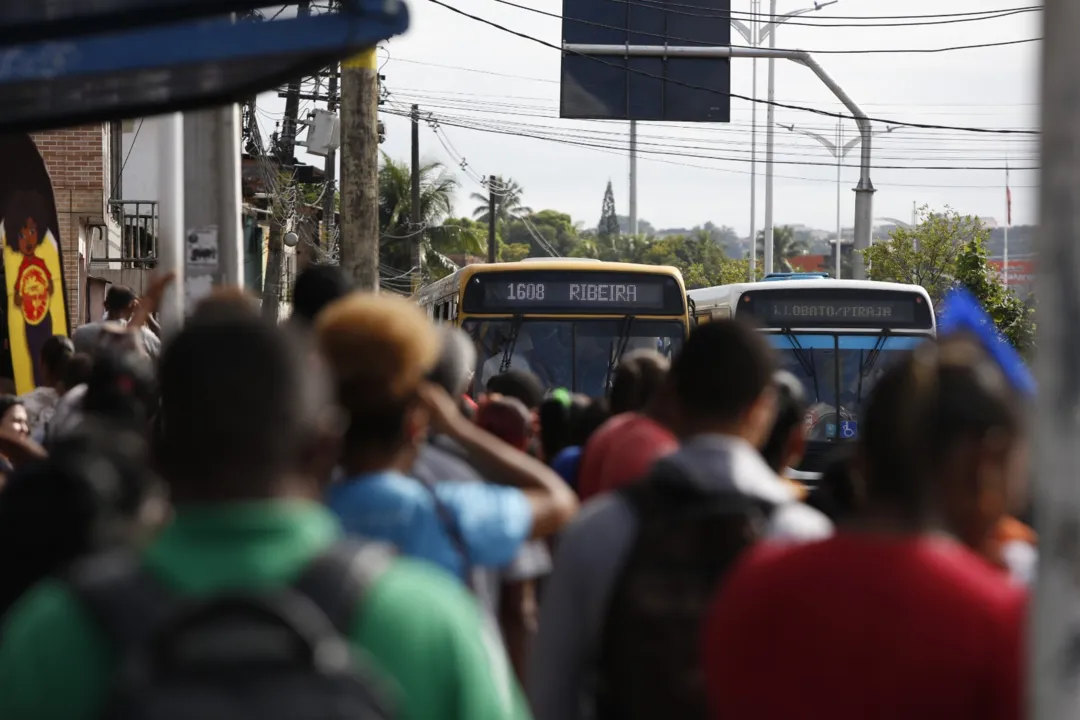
pixel 849 430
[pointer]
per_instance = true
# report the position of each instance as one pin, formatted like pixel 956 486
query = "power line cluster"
pixel 702 88
pixel 620 148
pixel 715 16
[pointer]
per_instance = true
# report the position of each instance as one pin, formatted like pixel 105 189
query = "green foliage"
pixel 608 227
pixel 925 255
pixel 508 205
pixel 785 246
pixel 438 237
pixel 515 252
pixel 942 251
pixel 1011 315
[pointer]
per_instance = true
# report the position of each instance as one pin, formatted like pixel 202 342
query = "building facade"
pixel 80 163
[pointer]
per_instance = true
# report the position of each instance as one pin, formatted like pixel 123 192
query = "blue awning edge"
pixel 191 65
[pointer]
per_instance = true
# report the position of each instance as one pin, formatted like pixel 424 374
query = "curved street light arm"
pixel 743 29
pixel 829 144
pixel 769 27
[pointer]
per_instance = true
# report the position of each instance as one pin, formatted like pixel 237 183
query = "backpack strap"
pixel 124 599
pixel 453 531
pixel 338 580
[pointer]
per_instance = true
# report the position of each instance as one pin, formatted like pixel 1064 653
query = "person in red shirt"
pixel 893 618
pixel 624 448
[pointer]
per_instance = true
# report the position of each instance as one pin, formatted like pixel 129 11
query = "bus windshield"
pixel 576 354
pixel 838 372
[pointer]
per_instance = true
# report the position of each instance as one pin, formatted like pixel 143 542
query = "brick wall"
pixel 78 162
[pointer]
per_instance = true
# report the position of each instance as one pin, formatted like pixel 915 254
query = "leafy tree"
pixel 926 254
pixel 555 228
pixel 508 205
pixel 785 246
pixel 515 252
pixel 608 228
pixel 437 239
pixel 945 250
pixel 1011 315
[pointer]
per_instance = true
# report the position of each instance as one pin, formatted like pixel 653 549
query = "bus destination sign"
pixel 820 308
pixel 539 294
pixel 573 292
pixel 842 311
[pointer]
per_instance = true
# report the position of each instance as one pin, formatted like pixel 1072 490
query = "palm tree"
pixel 785 246
pixel 437 240
pixel 508 204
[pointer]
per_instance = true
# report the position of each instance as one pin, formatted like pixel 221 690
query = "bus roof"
pixel 565 263
pixel 461 275
pixel 723 292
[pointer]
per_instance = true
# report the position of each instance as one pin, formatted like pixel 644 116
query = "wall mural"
pixel 36 305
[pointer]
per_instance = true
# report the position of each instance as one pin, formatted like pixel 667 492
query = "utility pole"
pixel 172 242
pixel 329 211
pixel 492 221
pixel 775 21
pixel 1054 616
pixel 213 248
pixel 770 121
pixel 286 148
pixel 838 150
pixel 359 237
pixel 415 220
pixel 633 177
pixel 864 191
pixel 755 24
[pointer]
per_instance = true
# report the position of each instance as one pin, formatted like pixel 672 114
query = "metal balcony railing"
pixel 138 245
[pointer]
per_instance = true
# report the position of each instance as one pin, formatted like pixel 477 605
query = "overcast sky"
pixel 465 72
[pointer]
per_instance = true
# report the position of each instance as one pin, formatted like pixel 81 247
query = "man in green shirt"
pixel 247 437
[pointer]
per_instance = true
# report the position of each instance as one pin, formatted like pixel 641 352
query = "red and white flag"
pixel 1008 198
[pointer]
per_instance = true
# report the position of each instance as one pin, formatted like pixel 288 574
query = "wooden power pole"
pixel 492 221
pixel 359 236
pixel 329 211
pixel 286 149
pixel 415 219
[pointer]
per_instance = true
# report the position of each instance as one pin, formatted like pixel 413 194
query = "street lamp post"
pixel 769 31
pixel 751 33
pixel 839 151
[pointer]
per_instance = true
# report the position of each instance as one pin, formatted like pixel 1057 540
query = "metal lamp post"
pixel 839 151
pixel 750 33
pixel 768 31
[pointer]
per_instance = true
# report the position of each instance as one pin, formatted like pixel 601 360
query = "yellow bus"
pixel 566 320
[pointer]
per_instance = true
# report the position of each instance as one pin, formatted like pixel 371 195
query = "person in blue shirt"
pixel 381 349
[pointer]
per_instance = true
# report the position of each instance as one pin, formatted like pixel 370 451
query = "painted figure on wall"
pixel 33 270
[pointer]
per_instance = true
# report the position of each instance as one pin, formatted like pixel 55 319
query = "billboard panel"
pixel 613 87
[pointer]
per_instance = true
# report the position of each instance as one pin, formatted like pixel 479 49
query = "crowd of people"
pixel 322 519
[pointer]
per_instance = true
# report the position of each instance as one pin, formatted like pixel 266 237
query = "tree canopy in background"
pixel 608 227
pixel 945 250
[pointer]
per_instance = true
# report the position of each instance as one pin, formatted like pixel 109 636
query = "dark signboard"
pixel 157 68
pixel 573 291
pixel 817 308
pixel 618 87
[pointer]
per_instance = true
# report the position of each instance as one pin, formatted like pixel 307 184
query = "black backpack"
pixel 650 646
pixel 282 654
